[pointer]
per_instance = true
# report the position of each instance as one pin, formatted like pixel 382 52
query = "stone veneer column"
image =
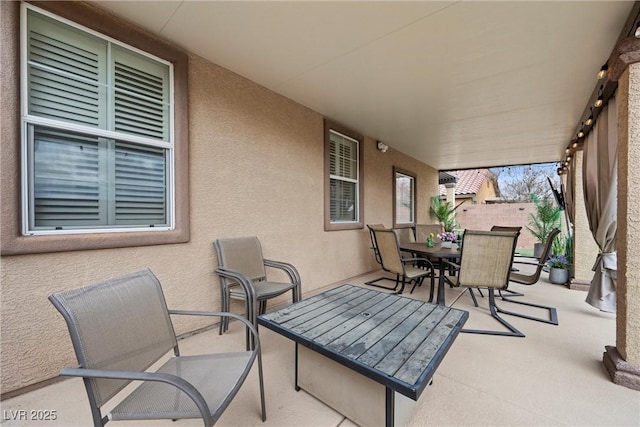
pixel 623 360
pixel 585 247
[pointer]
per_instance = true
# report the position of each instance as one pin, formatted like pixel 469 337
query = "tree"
pixel 517 183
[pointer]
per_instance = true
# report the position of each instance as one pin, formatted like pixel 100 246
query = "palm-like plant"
pixel 546 218
pixel 444 212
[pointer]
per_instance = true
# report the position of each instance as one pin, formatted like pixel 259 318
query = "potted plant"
pixel 447 238
pixel 558 269
pixel 444 212
pixel 547 216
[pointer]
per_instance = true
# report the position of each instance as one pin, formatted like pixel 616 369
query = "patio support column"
pixel 623 360
pixel 451 194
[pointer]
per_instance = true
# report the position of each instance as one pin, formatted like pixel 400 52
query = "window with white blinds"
pixel 97 132
pixel 343 169
pixel 343 174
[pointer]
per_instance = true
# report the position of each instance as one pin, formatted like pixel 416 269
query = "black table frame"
pixel 421 249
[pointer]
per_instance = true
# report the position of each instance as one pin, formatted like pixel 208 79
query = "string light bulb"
pixel 574 145
pixel 603 71
pixel 600 99
pixel 599 102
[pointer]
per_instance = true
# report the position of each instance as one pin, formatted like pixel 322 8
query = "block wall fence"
pixel 484 216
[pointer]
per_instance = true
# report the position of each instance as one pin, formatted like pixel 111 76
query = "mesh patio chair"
pixel 404 268
pixel 531 279
pixel 120 327
pixel 240 260
pixel 376 253
pixel 485 262
pixel 512 229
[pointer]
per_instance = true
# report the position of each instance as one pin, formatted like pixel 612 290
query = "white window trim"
pixel 27 119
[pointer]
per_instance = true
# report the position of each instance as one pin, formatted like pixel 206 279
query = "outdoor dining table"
pixel 366 353
pixel 422 250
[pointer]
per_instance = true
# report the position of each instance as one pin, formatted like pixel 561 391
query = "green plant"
pixel 558 246
pixel 444 212
pixel 568 248
pixel 547 217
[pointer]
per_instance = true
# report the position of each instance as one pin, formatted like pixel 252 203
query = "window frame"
pixel 399 171
pixel 13 242
pixel 342 225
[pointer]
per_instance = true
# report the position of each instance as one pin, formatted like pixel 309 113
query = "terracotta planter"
pixel 559 276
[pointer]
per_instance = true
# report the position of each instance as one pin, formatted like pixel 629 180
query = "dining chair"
pixel 405 268
pixel 531 279
pixel 376 253
pixel 122 326
pixel 485 262
pixel 240 261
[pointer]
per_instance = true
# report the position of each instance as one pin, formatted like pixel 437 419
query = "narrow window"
pixel 404 198
pixel 343 178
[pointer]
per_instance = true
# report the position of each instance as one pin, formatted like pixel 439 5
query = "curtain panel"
pixel 599 171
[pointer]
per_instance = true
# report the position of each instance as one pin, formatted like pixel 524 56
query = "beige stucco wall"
pixel 486 191
pixel 585 247
pixel 628 236
pixel 256 168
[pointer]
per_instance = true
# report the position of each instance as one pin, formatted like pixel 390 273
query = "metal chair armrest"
pixel 291 271
pixel 173 380
pixel 452 264
pixel 418 259
pixel 537 264
pixel 251 327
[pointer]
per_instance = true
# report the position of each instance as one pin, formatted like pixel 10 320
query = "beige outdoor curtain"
pixel 599 171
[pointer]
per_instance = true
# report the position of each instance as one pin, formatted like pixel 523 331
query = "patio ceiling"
pixel 453 84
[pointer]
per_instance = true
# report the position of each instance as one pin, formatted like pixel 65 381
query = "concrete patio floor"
pixel 552 377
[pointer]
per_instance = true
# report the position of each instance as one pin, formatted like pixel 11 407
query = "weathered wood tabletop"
pixel 394 340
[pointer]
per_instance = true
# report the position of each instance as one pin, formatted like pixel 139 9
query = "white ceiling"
pixel 454 84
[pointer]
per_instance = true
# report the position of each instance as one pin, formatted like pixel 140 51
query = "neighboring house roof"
pixel 468 182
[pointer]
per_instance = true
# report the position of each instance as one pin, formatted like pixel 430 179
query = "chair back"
pixel 424 230
pixel 530 279
pixel 374 245
pixel 486 257
pixel 405 235
pixel 390 258
pixel 242 254
pixel 120 324
pixel 506 228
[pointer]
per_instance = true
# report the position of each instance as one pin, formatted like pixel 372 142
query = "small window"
pixel 404 198
pixel 96 131
pixel 343 178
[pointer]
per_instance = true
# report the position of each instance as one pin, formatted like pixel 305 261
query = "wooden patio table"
pixel 421 249
pixel 366 353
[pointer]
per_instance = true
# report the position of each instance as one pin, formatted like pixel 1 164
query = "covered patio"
pixel 257 92
pixel 552 377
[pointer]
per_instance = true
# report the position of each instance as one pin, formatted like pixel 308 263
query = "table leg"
pixel 296 386
pixel 389 407
pixel 441 280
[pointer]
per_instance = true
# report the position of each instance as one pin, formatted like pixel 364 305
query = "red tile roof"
pixel 469 181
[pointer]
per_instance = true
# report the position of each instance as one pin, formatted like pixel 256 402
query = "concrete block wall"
pixel 484 216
